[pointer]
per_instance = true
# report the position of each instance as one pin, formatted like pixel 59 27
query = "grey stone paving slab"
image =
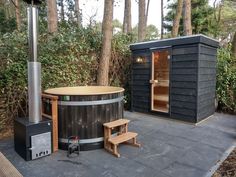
pixel 156 162
pixel 169 149
pixel 181 142
pixel 142 130
pixel 218 142
pixel 214 137
pixel 154 135
pixel 182 170
pixel 201 156
pixel 123 166
pixel 159 148
pixel 223 122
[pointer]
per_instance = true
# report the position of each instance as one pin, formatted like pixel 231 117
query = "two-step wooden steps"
pixel 123 136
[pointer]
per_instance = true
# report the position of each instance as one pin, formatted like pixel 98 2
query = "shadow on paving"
pixel 169 149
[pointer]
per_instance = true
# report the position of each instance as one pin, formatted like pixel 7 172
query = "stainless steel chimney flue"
pixel 33 32
pixel 32 136
pixel 34 68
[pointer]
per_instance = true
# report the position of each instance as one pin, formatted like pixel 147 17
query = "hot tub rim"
pixel 55 91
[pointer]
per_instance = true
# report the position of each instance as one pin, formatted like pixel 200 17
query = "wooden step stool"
pixel 123 136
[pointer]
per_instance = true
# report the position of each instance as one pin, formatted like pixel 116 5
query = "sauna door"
pixel 160 80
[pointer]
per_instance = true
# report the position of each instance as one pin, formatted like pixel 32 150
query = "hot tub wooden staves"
pixel 175 77
pixel 82 111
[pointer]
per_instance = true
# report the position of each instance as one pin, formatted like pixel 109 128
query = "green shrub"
pixel 120 64
pixel 226 80
pixel 68 58
pixel 6 24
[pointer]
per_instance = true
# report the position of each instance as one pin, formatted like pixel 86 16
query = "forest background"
pixel 97 53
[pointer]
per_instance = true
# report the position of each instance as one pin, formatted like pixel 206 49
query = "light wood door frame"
pixel 153 79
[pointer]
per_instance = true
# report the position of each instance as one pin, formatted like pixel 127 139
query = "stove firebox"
pixel 32 135
pixel 32 140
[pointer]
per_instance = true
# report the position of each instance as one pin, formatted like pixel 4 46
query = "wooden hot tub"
pixel 83 110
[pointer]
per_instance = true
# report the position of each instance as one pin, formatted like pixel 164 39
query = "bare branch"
pixel 13 3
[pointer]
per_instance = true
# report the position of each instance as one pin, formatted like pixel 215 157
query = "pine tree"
pixel 52 16
pixel 103 70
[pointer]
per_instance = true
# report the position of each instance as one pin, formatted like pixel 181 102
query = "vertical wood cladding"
pixel 87 121
pixel 192 77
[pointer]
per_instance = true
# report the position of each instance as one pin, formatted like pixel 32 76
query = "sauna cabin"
pixel 175 77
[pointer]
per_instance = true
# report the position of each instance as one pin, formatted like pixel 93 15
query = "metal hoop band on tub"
pixel 90 103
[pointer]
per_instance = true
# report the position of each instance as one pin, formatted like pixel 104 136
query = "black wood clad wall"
pixel 206 81
pixel 140 82
pixel 192 77
pixel 184 74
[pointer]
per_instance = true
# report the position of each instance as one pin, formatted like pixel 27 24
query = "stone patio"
pixel 169 149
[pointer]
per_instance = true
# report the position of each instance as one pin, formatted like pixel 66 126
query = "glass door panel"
pixel 160 81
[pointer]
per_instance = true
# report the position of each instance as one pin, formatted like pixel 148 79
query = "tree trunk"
pixel 142 21
pixel 62 10
pixel 175 28
pixel 52 16
pixel 77 12
pixel 162 16
pixel 103 71
pixel 234 45
pixel 18 18
pixel 146 13
pixel 127 17
pixel 187 18
pixel 9 8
